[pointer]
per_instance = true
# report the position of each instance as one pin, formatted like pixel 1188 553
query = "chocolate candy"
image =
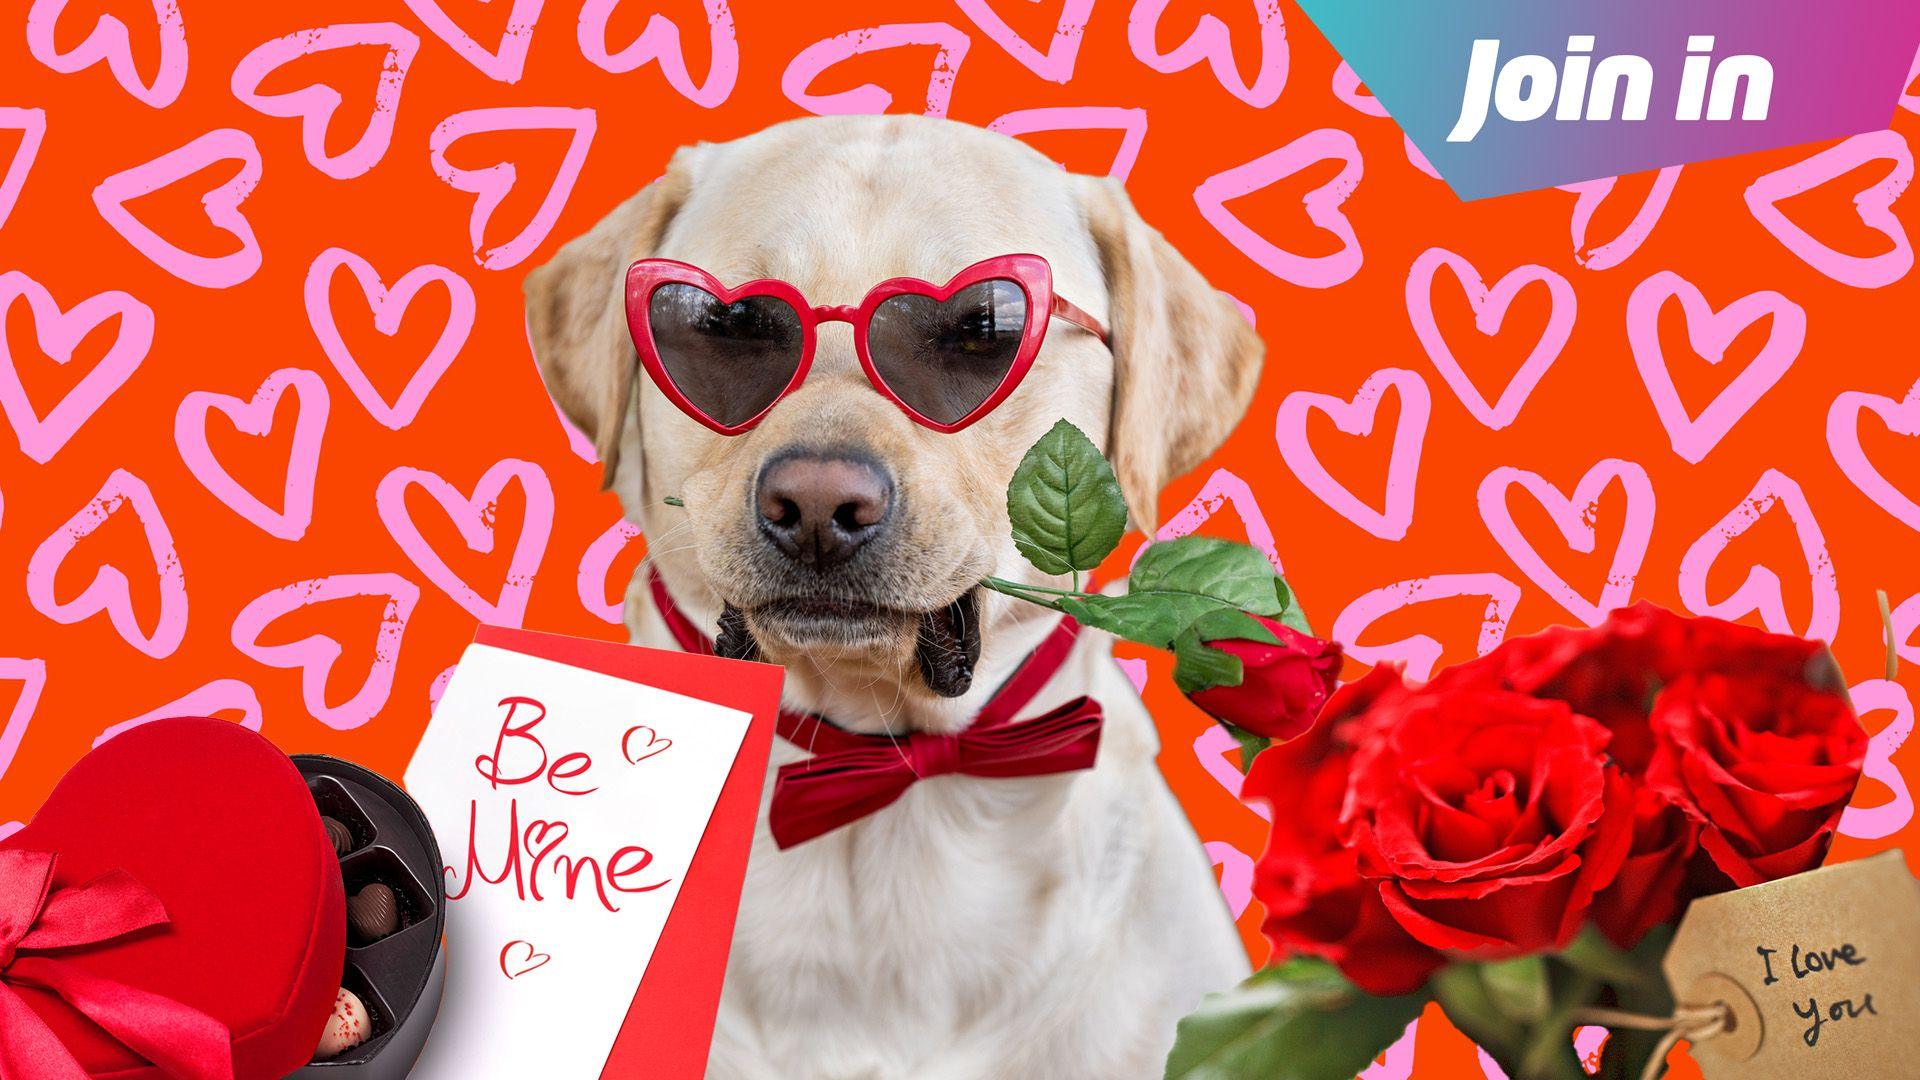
pixel 348 1027
pixel 338 832
pixel 373 912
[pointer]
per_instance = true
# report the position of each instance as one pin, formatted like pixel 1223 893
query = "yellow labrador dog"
pixel 1041 927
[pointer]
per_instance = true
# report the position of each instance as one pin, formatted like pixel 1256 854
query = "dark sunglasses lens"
pixel 945 358
pixel 730 360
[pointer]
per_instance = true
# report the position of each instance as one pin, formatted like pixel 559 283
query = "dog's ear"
pixel 1185 360
pixel 577 316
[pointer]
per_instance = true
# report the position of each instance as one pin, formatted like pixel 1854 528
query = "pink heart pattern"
pixel 332 167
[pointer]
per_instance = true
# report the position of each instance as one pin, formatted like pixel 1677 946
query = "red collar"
pixel 851 775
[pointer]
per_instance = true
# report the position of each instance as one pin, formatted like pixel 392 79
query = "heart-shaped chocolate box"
pixel 220 827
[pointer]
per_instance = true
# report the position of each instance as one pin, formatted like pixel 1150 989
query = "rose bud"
pixel 1765 763
pixel 1489 820
pixel 1308 879
pixel 1284 684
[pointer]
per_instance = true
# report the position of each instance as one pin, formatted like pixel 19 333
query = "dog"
pixel 1053 926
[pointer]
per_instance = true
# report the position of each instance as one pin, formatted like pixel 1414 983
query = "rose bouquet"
pixel 1512 840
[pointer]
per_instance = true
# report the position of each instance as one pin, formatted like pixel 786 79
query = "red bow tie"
pixel 851 775
pixel 39 925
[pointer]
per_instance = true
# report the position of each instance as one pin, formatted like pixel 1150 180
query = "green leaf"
pixel 1471 1006
pixel 1299 1021
pixel 1234 575
pixel 1179 583
pixel 1593 954
pixel 1198 666
pixel 1227 625
pixel 1292 615
pixel 1064 503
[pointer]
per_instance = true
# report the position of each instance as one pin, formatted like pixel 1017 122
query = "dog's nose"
pixel 818 509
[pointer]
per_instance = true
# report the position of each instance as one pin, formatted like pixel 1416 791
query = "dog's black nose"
pixel 819 508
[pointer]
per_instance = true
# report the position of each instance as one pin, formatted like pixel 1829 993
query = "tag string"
pixel 1694 1023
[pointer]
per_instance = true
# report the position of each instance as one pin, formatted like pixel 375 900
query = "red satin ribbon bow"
pixel 851 775
pixel 35 917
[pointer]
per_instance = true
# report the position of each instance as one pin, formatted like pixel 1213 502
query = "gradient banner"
pixel 1545 74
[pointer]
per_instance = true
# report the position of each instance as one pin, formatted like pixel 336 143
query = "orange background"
pixel 1591 404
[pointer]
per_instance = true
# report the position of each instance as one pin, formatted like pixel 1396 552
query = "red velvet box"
pixel 219 827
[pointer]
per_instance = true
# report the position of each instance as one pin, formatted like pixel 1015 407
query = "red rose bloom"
pixel 1609 672
pixel 1765 763
pixel 1284 687
pixel 1308 879
pixel 1488 820
pixel 1652 886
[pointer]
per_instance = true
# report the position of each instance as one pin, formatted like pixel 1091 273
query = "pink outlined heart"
pixel 32 125
pixel 1212 42
pixel 660 40
pixel 222 204
pixel 1356 417
pixel 1421 652
pixel 109 590
pixel 507 60
pixel 490 185
pixel 110 40
pixel 1761 592
pixel 1874 204
pixel 1322 205
pixel 1063 49
pixel 59 333
pixel 1574 516
pixel 316 104
pixel 1489 312
pixel 218 696
pixel 1843 441
pixel 595 566
pixel 315 655
pixel 529 959
pixel 1131 123
pixel 31 674
pixel 474 518
pixel 1221 491
pixel 255 417
pixel 1710 332
pixel 389 307
pixel 950 44
pixel 1592 194
pixel 655 745
pixel 1883 820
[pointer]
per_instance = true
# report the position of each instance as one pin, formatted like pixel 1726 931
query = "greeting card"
pixel 569 805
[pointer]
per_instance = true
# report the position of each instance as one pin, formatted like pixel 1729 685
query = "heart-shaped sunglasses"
pixel 945 354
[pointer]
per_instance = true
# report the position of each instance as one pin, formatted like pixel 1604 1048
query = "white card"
pixel 568 805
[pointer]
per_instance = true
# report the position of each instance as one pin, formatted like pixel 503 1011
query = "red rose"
pixel 1609 672
pixel 1766 763
pixel 1284 687
pixel 1308 879
pixel 1652 886
pixel 1488 819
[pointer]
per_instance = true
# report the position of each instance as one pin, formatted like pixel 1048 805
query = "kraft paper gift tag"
pixel 1820 973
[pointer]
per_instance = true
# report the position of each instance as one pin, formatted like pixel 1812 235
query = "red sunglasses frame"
pixel 1030 272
